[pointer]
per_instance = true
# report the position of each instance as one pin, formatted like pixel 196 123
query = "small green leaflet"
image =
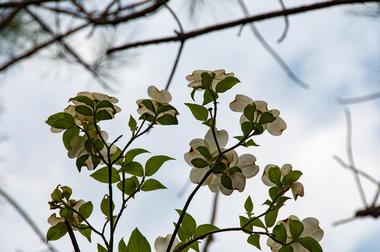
pixel 61 120
pixel 101 175
pixel 226 84
pixel 56 232
pixel 151 185
pixel 138 243
pixel 154 164
pixel 199 112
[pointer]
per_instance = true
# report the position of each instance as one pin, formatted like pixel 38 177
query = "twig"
pixel 13 4
pixel 351 157
pixel 43 45
pixel 4 21
pixel 272 52
pixel 286 20
pixel 210 238
pixel 72 236
pixel 27 218
pixel 226 25
pixel 180 49
pixel 359 99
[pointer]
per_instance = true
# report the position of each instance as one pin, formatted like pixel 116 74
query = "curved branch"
pixel 226 25
pixel 286 20
pixel 27 218
pixel 272 52
pixel 359 99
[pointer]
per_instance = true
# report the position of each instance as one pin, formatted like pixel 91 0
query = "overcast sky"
pixel 333 50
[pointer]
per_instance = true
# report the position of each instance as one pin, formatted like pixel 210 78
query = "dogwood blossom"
pixel 238 169
pixel 311 229
pixel 275 128
pixel 75 220
pixel 195 78
pixel 296 187
pixel 159 99
pixel 161 243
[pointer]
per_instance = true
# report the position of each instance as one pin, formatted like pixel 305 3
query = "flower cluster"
pixel 195 78
pixel 257 112
pixel 161 243
pixel 229 171
pixel 309 228
pixel 288 176
pixel 157 109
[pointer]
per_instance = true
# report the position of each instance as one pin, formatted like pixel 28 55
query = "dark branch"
pixel 359 99
pixel 286 20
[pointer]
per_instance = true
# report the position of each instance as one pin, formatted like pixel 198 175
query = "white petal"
pixel 162 96
pixel 54 220
pixel 276 127
pixel 274 245
pixel 55 130
pixel 285 169
pixel 194 153
pixel 238 181
pixel 312 229
pixel 162 243
pixel 261 106
pixel 240 102
pixel 196 175
pixel 214 183
pixel 265 177
pixel 248 166
pixel 221 136
pixel 224 190
pixel 297 190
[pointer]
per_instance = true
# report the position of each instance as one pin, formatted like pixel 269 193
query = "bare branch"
pixel 27 218
pixel 359 99
pixel 226 25
pixel 272 52
pixel 21 4
pixel 4 21
pixel 43 45
pixel 286 20
pixel 210 238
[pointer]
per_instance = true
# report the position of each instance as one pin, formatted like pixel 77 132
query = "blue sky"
pixel 334 51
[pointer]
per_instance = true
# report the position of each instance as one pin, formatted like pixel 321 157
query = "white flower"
pixel 245 164
pixel 195 78
pixel 296 187
pixel 161 243
pixel 274 128
pixel 159 98
pixel 311 229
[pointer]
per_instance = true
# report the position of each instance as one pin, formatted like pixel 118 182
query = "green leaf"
pixel 105 206
pixel 86 232
pixel 132 123
pixel 258 223
pixel 296 228
pixel 286 248
pixel 249 112
pixel 101 175
pixel 188 226
pixel 151 185
pixel 148 117
pixel 61 120
pixel 56 232
pixel 132 153
pixel 149 105
pixel 248 205
pixel 66 192
pixel 274 175
pixel 154 164
pixel 226 182
pixel 84 110
pixel 206 80
pixel 138 243
pixel 279 232
pixel 105 104
pixel 266 117
pixel 199 163
pixel 207 97
pixel 273 192
pixel 204 152
pixel 291 177
pixel 130 185
pixel 254 240
pixel 226 84
pixel 311 244
pixel 165 108
pixel 246 128
pixel 270 218
pixel 122 247
pixel 204 229
pixel 209 122
pixel 243 224
pixel 199 112
pixel 134 168
pixel 86 209
pixel 250 142
pixel 83 99
pixel 81 161
pixel 68 135
pixel 167 120
pixel 103 115
pixel 101 248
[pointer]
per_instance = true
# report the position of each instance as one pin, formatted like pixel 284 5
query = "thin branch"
pixel 27 218
pixel 359 99
pixel 272 52
pixel 286 20
pixel 226 25
pixel 180 49
pixel 72 236
pixel 69 49
pixel 22 4
pixel 351 157
pixel 210 238
pixel 356 170
pixel 43 45
pixel 4 21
